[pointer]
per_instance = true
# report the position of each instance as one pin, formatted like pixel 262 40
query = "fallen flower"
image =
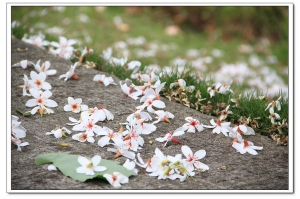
pixel 44 68
pixel 70 73
pixel 24 64
pixel 149 102
pixel 82 137
pixel 192 125
pixel 122 150
pixel 38 81
pixel 26 86
pixel 223 127
pixel 129 91
pixel 163 116
pixel 109 134
pixel 273 115
pixel 89 166
pixel 170 136
pixel 246 146
pixel 130 165
pixel 59 132
pixel 116 179
pixel 41 101
pixel 192 158
pixel 18 142
pixel 275 103
pixel 75 105
pixel 103 79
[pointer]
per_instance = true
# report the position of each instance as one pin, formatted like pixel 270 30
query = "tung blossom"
pixel 59 132
pixel 109 134
pixel 82 137
pixel 103 79
pixel 24 64
pixel 41 101
pixel 89 166
pixel 44 68
pixel 273 115
pixel 163 116
pixel 275 103
pixel 218 127
pixel 192 125
pixel 75 105
pixel 129 91
pixel 151 101
pixel 70 74
pixel 116 179
pixel 246 146
pixel 88 123
pixel 26 86
pixel 170 136
pixel 192 159
pixel 38 81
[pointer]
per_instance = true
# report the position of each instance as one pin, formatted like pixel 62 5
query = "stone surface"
pixel 266 171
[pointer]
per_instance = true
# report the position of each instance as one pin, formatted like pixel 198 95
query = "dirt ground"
pixel 269 170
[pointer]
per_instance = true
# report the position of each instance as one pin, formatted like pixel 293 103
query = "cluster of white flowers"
pixel 127 142
pixel 274 116
pixel 17 132
pixel 222 88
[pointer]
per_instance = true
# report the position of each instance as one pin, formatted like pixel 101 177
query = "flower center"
pixel 194 123
pixel 74 106
pixel 82 137
pixel 38 83
pixel 89 165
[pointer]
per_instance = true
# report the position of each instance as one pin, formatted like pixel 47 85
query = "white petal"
pixel 51 103
pixel 200 154
pixel 99 168
pixel 83 161
pixel 96 160
pixel 103 141
pixel 81 169
pixel 186 151
pixel 159 104
pixel 52 168
pixel 31 103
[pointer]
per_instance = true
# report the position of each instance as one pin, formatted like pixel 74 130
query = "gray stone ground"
pixel 268 170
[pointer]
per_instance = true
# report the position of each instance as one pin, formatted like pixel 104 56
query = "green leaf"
pixel 67 164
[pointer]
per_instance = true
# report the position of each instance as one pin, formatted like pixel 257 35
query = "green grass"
pixel 104 33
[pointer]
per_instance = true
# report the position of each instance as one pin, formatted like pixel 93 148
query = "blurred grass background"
pixel 203 28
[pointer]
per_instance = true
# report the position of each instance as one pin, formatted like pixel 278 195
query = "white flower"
pixel 89 166
pixel 122 150
pixel 129 91
pixel 75 105
pixel 44 68
pixel 219 127
pixel 17 130
pixel 224 113
pixel 170 136
pixel 243 129
pixel 109 135
pixel 163 116
pixel 24 64
pixel 106 54
pixel 192 125
pixel 182 85
pixel 192 158
pixel 103 79
pixel 212 90
pixel 59 132
pixel 275 103
pixel 26 86
pixel 64 48
pixel 36 40
pixel 38 81
pixel 82 137
pixel 70 73
pixel 116 179
pixel 149 102
pixel 88 123
pixel 130 165
pixel 155 92
pixel 144 165
pixel 18 142
pixel 41 101
pixel 246 146
pixel 273 115
pixel 145 127
pixel 101 113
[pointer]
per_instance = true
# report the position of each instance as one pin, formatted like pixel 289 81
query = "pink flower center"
pixel 38 83
pixel 193 123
